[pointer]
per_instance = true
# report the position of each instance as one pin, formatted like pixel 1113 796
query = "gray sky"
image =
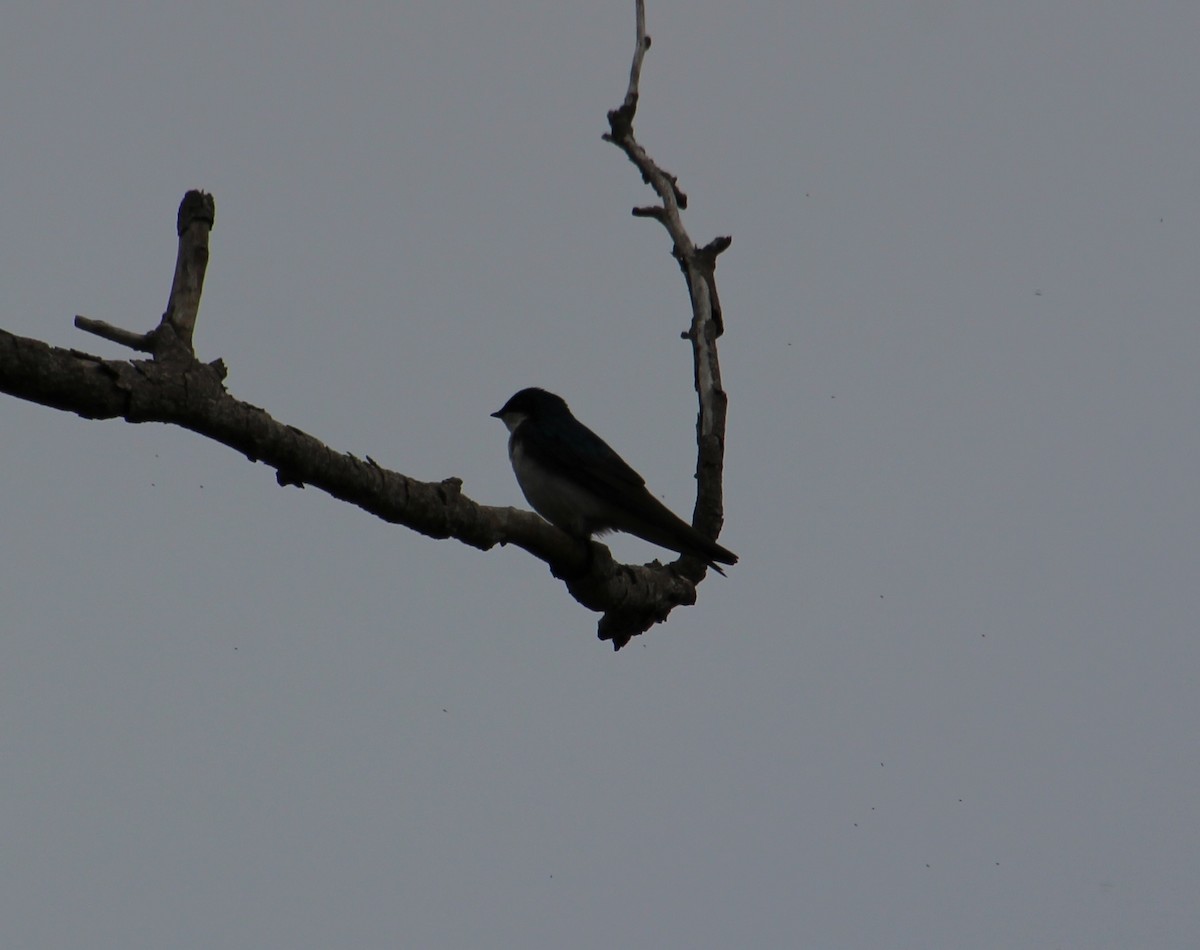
pixel 947 699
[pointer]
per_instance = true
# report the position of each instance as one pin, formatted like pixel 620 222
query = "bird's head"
pixel 532 403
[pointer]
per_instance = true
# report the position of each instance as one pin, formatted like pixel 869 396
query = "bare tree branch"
pixel 699 267
pixel 194 397
pixel 172 338
pixel 175 388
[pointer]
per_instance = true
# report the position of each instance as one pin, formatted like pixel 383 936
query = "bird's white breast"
pixel 561 502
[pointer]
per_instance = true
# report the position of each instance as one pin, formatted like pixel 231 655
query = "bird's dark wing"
pixel 576 452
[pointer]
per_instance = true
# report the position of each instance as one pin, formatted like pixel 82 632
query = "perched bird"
pixel 576 482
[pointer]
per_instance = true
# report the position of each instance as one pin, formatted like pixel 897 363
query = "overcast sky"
pixel 948 697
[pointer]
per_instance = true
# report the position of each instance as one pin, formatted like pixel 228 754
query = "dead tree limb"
pixel 699 266
pixel 176 388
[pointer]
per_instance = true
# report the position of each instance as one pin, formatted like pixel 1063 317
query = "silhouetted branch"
pixel 172 338
pixel 175 388
pixel 699 270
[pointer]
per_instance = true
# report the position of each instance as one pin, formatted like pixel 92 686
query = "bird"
pixel 574 480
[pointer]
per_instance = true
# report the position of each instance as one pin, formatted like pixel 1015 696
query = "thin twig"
pixel 639 53
pixel 135 341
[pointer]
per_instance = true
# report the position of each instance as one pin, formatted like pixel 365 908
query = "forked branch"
pixel 176 388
